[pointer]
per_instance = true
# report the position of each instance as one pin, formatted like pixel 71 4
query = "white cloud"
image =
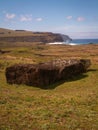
pixel 39 19
pixel 25 18
pixel 79 19
pixel 69 17
pixel 10 16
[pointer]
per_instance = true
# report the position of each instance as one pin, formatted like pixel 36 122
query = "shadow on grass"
pixel 92 70
pixel 71 79
pixel 74 78
pixel 56 84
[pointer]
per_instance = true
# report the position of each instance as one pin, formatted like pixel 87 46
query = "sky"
pixel 76 18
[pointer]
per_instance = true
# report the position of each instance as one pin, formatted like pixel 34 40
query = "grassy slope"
pixel 11 33
pixel 71 105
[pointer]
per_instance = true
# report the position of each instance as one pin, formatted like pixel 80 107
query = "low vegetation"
pixel 71 105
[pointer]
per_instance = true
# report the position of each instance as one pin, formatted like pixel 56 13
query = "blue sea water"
pixel 78 42
pixel 84 41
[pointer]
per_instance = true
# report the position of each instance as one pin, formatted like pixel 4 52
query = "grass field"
pixel 71 105
pixel 14 33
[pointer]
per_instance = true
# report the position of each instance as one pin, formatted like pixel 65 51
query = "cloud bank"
pixel 39 19
pixel 10 16
pixel 25 18
pixel 69 17
pixel 79 19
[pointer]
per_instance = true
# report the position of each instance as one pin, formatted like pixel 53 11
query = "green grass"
pixel 71 105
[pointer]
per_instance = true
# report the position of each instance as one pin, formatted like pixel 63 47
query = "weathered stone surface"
pixel 44 74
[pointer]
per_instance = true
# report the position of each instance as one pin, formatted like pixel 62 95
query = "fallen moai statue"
pixel 44 74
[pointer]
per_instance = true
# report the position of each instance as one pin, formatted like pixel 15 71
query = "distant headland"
pixel 7 35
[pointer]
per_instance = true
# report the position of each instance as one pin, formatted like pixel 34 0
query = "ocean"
pixel 78 42
pixel 84 41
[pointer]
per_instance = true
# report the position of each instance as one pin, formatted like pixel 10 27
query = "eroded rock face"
pixel 44 74
pixel 36 37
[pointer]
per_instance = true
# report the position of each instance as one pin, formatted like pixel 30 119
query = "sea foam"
pixel 56 43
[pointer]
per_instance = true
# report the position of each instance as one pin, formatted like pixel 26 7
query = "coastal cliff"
pixel 28 36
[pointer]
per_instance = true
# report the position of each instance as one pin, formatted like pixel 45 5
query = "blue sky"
pixel 76 18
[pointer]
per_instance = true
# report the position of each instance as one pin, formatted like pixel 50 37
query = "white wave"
pixel 55 43
pixel 72 44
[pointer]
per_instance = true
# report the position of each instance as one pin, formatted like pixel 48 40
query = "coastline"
pixel 77 42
